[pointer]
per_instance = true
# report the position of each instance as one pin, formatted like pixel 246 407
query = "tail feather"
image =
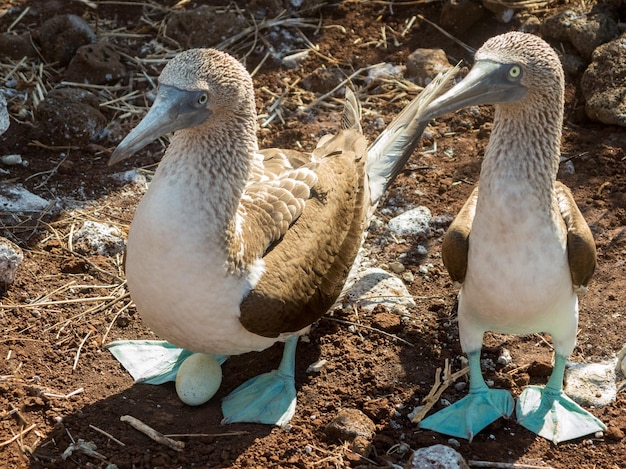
pixel 388 154
pixel 351 118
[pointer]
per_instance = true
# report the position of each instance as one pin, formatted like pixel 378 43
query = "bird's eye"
pixel 202 99
pixel 515 71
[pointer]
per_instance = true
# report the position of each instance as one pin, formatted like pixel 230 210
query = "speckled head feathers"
pixel 209 70
pixel 540 62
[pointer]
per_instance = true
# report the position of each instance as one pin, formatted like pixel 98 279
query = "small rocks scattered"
pixel 591 384
pixel 436 457
pixel 93 237
pixel 11 256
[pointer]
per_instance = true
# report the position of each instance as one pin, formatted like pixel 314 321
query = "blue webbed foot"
pixel 549 413
pixel 466 417
pixel 269 398
pixel 482 406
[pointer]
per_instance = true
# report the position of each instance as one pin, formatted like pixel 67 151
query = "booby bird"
pixel 519 246
pixel 233 248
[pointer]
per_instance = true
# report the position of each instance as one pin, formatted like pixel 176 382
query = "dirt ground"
pixel 66 386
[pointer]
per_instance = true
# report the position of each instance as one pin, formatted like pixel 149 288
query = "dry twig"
pixel 438 388
pixel 152 433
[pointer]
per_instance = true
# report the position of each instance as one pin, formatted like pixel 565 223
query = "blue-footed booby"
pixel 519 246
pixel 233 248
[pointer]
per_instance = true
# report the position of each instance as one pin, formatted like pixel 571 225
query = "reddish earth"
pixel 383 367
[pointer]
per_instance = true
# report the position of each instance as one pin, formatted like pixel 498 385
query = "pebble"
pixel 317 366
pixel 5 121
pixel 374 286
pixel 415 221
pixel 423 65
pixel 94 237
pixel 436 457
pixel 11 256
pixel 397 267
pixel 505 357
pixel 11 160
pixel 591 384
pixel 16 199
pixel 350 423
pixel 621 361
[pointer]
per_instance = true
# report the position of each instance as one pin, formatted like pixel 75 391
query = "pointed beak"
pixel 486 83
pixel 169 113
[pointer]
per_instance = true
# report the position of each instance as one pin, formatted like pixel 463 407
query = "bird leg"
pixel 269 398
pixel 549 413
pixel 482 406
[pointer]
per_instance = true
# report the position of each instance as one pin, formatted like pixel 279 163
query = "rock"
pixel 415 222
pixel 11 256
pixel 621 361
pixel 500 11
pixel 531 24
pixel 422 65
pixel 60 37
pixel 205 26
pixel 349 424
pixel 385 70
pixel 96 64
pixel 604 83
pixel 11 160
pixel 17 46
pixel 457 16
pixel 591 384
pixel 18 200
pixel 597 28
pixel 557 26
pixel 322 80
pixel 573 64
pixel 93 237
pixel 375 287
pixel 69 116
pixel 436 457
pixel 4 115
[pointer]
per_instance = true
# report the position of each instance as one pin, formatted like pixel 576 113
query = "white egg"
pixel 198 379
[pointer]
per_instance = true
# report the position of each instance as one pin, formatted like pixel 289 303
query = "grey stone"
pixel 349 424
pixel 591 384
pixel 604 83
pixel 11 257
pixel 422 65
pixel 436 457
pixel 415 222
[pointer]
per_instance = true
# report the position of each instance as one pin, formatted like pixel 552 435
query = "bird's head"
pixel 196 87
pixel 508 68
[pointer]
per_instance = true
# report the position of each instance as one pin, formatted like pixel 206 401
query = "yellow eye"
pixel 515 71
pixel 203 99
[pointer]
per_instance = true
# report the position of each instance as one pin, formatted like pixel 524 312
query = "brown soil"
pixel 51 351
